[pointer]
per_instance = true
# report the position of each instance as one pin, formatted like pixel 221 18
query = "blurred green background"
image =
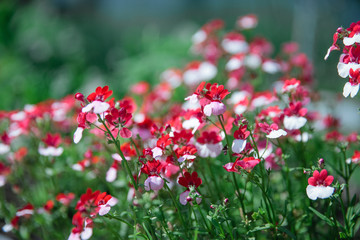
pixel 49 49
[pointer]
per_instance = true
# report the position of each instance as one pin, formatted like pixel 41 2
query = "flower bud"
pixel 80 97
pixel 321 163
pixel 226 200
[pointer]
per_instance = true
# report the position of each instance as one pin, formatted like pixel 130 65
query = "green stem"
pixel 203 218
pixel 124 161
pixel 177 209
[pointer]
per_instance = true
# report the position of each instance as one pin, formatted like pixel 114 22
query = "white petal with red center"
pixel 183 197
pixel 4 148
pixel 233 64
pixel 354 90
pixel 235 46
pixel 240 109
pixel 51 151
pixel 199 37
pixel 112 201
pixel 78 134
pixel 98 107
pixel 24 212
pixel 153 183
pixel 238 145
pixel 19 116
pixel 294 122
pixel 351 90
pixel 157 152
pixel 87 233
pixel 271 67
pixel 209 150
pixel 344 69
pixel 252 61
pixel 347 89
pixel 191 77
pixel 276 133
pixel 2 180
pixel 74 236
pixel 104 209
pixel 314 192
pixel 111 174
pixel 207 71
pixel 348 41
pixel 7 228
pixel 192 123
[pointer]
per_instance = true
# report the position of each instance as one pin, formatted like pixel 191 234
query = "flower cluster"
pixel 236 136
pixel 349 62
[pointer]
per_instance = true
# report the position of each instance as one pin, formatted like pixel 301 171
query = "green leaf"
pixel 322 216
pixel 285 230
pixel 260 228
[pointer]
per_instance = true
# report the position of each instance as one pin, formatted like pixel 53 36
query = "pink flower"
pixel 319 185
pixel 247 164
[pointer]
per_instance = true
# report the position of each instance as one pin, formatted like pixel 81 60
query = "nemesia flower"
pixel 290 85
pixel 172 76
pixel 89 205
pixel 152 169
pixel 319 185
pixel 247 22
pixel 4 172
pixel 216 93
pixel 272 131
pixel 294 116
pixel 239 142
pixel 209 144
pixel 234 43
pixel 189 181
pixel 196 72
pixel 247 164
pixel 354 34
pixel 355 158
pixel 96 99
pixel 186 153
pixel 352 87
pixel 52 142
pixel 5 143
pixel 65 198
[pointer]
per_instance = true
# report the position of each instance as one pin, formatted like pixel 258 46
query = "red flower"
pixel 152 168
pixel 320 179
pixel 100 94
pixel 190 180
pixel 53 140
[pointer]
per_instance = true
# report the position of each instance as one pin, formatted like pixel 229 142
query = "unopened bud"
pixel 211 206
pixel 321 163
pixel 226 200
pixel 189 199
pixel 80 97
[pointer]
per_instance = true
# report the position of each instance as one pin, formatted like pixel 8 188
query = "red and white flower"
pixel 196 72
pixel 247 164
pixel 234 43
pixel 352 87
pixel 272 130
pixel 294 116
pixel 239 142
pixel 51 142
pixel 209 144
pixel 189 181
pixel 247 22
pixel 319 185
pixel 153 168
